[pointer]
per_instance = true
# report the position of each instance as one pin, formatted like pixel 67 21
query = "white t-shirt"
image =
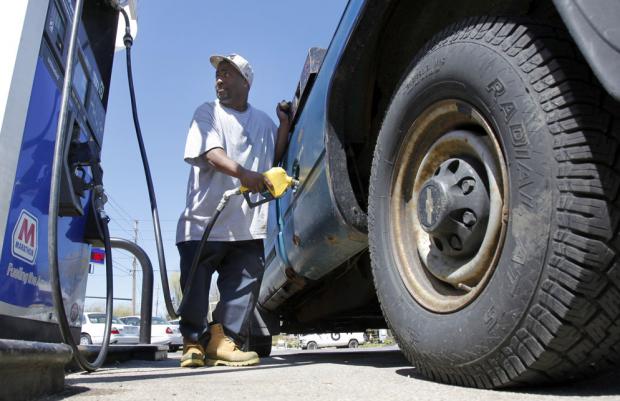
pixel 249 139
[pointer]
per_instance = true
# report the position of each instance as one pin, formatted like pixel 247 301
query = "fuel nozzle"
pixel 279 183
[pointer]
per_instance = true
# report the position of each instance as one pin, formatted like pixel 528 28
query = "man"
pixel 229 144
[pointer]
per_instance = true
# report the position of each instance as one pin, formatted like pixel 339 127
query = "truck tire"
pixel 261 345
pixel 493 209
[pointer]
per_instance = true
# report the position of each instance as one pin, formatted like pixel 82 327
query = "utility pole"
pixel 134 265
pixel 157 300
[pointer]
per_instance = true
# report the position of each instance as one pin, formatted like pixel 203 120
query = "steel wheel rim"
pixel 448 128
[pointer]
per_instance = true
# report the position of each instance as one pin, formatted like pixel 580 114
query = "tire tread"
pixel 572 328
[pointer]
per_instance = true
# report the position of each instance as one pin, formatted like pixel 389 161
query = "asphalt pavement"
pixel 328 374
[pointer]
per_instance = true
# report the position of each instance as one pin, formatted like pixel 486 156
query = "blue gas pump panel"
pixel 25 290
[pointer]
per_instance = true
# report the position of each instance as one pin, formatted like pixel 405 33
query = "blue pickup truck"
pixel 459 184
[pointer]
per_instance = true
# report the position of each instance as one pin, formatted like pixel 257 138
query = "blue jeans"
pixel 240 266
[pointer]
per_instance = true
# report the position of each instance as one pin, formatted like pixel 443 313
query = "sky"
pixel 173 76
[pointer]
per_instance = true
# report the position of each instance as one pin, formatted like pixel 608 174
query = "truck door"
pixel 314 237
pixel 307 236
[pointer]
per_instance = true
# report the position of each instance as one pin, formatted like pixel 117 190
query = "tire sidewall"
pixel 87 338
pixel 490 82
pixel 261 345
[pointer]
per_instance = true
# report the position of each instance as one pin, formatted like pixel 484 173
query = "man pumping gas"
pixel 229 143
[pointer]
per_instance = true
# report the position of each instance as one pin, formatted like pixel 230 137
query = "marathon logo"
pixel 25 237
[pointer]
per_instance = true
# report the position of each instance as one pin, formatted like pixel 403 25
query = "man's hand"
pixel 253 181
pixel 282 110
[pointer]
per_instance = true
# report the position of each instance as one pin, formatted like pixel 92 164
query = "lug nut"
pixel 469 219
pixel 455 243
pixel 467 186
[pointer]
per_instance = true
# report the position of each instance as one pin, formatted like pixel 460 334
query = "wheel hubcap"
pixel 453 207
pixel 448 200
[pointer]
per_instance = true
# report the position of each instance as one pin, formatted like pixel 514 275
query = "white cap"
pixel 242 65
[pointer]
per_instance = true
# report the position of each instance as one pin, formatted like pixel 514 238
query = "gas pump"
pixel 26 306
pixel 27 148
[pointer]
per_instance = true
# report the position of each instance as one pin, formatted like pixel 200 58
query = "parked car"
pixel 458 169
pixel 161 331
pixel 340 340
pixel 93 326
pixel 179 339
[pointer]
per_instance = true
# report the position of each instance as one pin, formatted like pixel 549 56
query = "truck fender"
pixel 594 27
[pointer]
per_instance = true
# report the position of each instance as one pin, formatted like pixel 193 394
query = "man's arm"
pixel 282 135
pixel 252 180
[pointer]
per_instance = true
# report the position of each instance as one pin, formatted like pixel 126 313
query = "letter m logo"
pixel 26 232
pixel 25 237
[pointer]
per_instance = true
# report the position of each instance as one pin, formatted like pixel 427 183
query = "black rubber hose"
pixel 52 233
pixel 128 40
pixel 196 261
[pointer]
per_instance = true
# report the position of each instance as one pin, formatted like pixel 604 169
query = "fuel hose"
pixel 172 312
pixel 97 201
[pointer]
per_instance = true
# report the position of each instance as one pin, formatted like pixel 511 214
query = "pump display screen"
pixel 56 27
pixel 80 81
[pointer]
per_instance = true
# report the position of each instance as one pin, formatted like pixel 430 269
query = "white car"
pixel 93 326
pixel 162 332
pixel 341 340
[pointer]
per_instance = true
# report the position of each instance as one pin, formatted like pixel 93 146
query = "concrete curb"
pixel 31 369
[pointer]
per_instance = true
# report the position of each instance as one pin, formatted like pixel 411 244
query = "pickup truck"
pixel 459 185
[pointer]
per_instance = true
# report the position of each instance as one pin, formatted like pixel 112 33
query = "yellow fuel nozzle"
pixel 279 183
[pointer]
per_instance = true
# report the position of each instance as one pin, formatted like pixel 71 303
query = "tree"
pixel 122 310
pixel 175 288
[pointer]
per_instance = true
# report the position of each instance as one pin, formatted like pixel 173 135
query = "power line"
pixel 118 221
pixel 122 267
pixel 115 203
pixel 121 227
pixel 171 230
pixel 117 215
pixel 152 239
pixel 113 275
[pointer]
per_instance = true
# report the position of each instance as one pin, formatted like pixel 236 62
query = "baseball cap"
pixel 241 64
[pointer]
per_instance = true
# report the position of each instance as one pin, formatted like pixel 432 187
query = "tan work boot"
pixel 193 354
pixel 222 350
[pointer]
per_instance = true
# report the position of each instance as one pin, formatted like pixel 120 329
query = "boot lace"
pixel 230 341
